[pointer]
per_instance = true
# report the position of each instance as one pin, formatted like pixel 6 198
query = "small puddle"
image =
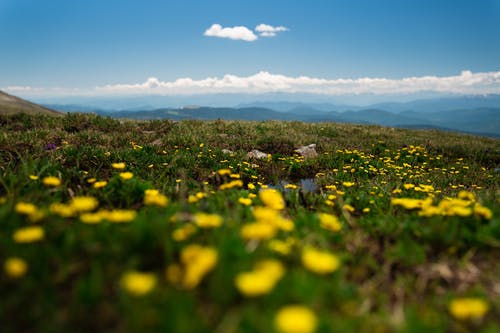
pixel 307 185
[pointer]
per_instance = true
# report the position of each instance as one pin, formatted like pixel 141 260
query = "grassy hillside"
pixel 10 105
pixel 147 226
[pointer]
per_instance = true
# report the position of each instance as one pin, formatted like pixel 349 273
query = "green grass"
pixel 399 271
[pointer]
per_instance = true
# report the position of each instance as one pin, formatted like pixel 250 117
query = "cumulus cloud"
pixel 235 33
pixel 466 82
pixel 266 30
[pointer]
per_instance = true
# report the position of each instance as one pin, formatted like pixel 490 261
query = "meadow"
pixel 162 226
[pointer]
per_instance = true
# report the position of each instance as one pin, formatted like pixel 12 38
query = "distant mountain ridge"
pixel 482 121
pixel 469 114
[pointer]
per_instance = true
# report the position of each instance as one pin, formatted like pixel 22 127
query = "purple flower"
pixel 50 146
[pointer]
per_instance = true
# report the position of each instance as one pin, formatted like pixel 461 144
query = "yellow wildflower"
pixel 198 261
pixel 183 233
pixel 119 215
pixel 348 184
pixel 155 198
pixel 118 166
pixel 100 184
pixel 138 283
pixel 319 262
pixel 468 308
pixel 465 195
pixel 33 177
pixel 126 175
pixel 410 203
pixel 481 211
pixel 83 203
pixel 280 246
pixel 203 220
pixel 272 199
pixel 51 181
pixel 91 218
pixel 28 234
pixel 408 186
pixel 261 280
pixel 348 208
pixel 25 208
pixel 258 231
pixel 295 319
pixel 223 172
pixel 15 267
pixel 329 222
pixel 231 184
pixel 245 201
pixel 61 209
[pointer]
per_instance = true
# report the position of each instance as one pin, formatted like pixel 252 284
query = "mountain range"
pixel 469 114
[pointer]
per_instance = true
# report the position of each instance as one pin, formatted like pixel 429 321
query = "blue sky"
pixel 78 45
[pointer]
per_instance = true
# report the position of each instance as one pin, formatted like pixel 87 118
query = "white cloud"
pixel 266 30
pixel 264 82
pixel 235 33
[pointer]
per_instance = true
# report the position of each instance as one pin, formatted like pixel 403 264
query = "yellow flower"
pixel 198 261
pixel 223 172
pixel 203 220
pixel 231 184
pixel 245 201
pixel 409 203
pixel 126 175
pixel 138 283
pixel 15 267
pixel 119 215
pixel 408 186
pixel 100 184
pixel 91 218
pixel 258 231
pixel 155 198
pixel 481 211
pixel 349 208
pixel 61 209
pixel 272 199
pixel 464 195
pixel 348 184
pixel 183 233
pixel 25 208
pixel 468 308
pixel 51 181
pixel 119 166
pixel 280 246
pixel 291 186
pixel 33 177
pixel 329 222
pixel 295 319
pixel 28 234
pixel 319 262
pixel 83 203
pixel 261 280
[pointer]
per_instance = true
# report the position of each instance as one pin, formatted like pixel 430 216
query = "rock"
pixel 308 151
pixel 227 151
pixel 156 142
pixel 256 154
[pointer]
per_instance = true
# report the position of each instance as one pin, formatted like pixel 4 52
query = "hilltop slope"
pixel 11 104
